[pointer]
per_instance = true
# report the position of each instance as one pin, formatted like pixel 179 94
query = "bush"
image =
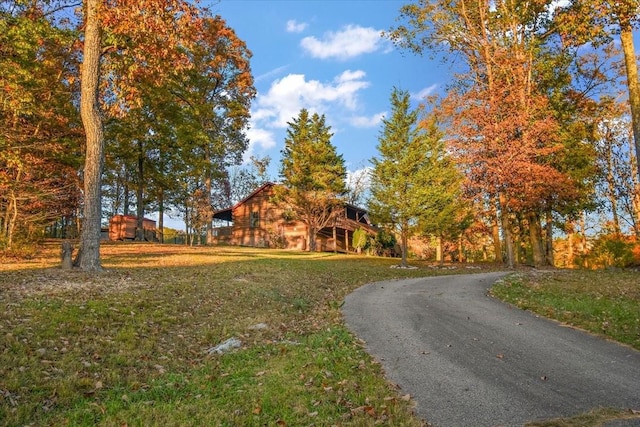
pixel 360 239
pixel 612 250
pixel 384 243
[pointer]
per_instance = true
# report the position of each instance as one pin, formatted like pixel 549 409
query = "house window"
pixel 254 219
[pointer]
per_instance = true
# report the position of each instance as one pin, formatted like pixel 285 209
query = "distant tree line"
pixel 137 106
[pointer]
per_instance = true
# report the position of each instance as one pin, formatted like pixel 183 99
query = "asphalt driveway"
pixel 470 360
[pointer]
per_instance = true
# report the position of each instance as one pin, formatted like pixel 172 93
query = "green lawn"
pixel 129 346
pixel 603 302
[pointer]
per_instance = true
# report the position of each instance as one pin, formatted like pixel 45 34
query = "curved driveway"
pixel 470 360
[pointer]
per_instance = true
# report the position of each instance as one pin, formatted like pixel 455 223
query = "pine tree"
pixel 313 174
pixel 413 181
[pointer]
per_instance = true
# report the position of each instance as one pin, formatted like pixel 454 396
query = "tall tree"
pixel 215 94
pixel 40 133
pixel 414 180
pixel 146 40
pixel 596 22
pixel 313 174
pixel 502 129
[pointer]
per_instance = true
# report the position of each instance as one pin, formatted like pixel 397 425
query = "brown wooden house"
pixel 256 221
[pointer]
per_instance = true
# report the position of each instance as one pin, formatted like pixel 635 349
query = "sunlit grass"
pixel 130 345
pixel 603 302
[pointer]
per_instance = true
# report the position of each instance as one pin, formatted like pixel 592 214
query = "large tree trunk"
pixel 88 258
pixel 535 238
pixel 312 238
pixel 631 65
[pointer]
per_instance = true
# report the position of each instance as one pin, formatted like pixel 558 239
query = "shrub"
pixel 612 250
pixel 360 239
pixel 384 243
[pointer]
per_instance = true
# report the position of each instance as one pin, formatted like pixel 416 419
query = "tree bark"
pixel 312 238
pixel 506 231
pixel 549 238
pixel 161 216
pixel 88 258
pixel 439 256
pixel 403 239
pixel 535 238
pixel 631 65
pixel 495 232
pixel 140 194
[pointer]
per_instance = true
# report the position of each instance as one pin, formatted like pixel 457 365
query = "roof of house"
pixel 226 214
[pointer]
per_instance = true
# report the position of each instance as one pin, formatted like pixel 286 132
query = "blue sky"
pixel 326 56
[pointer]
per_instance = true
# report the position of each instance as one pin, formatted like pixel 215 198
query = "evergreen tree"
pixel 313 174
pixel 413 181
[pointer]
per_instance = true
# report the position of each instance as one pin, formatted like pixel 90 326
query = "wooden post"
pixel 67 252
pixel 346 241
pixel 335 240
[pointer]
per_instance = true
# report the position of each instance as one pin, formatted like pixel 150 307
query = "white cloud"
pixel 349 42
pixel 367 122
pixel 424 93
pixel 287 96
pixel 294 26
pixel 258 137
pixel 261 137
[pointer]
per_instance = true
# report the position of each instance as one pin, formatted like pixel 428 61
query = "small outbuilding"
pixel 123 227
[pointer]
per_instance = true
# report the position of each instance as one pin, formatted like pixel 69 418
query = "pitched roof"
pixel 226 214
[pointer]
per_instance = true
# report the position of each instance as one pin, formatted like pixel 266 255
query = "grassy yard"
pixel 131 345
pixel 604 302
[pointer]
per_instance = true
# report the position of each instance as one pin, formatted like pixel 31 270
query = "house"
pixel 256 221
pixel 123 227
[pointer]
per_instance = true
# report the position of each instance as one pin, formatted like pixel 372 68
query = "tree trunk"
pixel 312 238
pixel 208 188
pixel 161 216
pixel 335 240
pixel 583 237
pixel 88 258
pixel 570 251
pixel 611 184
pixel 125 194
pixel 631 65
pixel 140 194
pixel 439 257
pixel 404 238
pixel 549 238
pixel 495 232
pixel 506 231
pixel 12 215
pixel 535 239
pixel 187 223
pixel 635 201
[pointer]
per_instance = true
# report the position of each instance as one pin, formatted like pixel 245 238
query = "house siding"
pixel 257 222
